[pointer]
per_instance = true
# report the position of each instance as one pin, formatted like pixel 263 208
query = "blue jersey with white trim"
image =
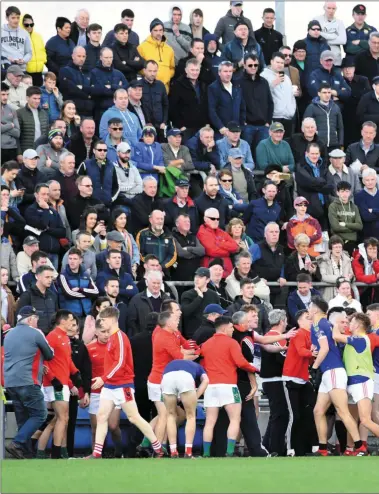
pixel 375 356
pixel 333 359
pixel 196 370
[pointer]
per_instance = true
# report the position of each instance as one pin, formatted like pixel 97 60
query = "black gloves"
pixel 57 385
pixel 77 380
pixel 316 376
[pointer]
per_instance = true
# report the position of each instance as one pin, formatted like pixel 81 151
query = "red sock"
pixel 156 446
pixel 189 449
pixel 97 450
pixel 364 444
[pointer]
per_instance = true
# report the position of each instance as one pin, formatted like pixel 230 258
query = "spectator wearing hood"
pixel 75 83
pixel 197 52
pixel 315 45
pixel 93 46
pixel 196 24
pixel 147 155
pixel 127 18
pixel 328 117
pixel 268 38
pixel 126 58
pixel 212 52
pixel 50 153
pixel 366 270
pixel 105 80
pixel 156 48
pixel 15 41
pixel 242 44
pixel 225 26
pixel 178 35
pixel 59 48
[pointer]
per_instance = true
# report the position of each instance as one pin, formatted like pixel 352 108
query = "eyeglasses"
pixel 102 150
pixel 88 186
pixel 253 65
pixel 226 180
pixel 117 128
pixel 29 25
pixel 213 219
pixel 315 29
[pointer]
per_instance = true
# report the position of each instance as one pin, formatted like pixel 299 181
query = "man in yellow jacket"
pixel 156 48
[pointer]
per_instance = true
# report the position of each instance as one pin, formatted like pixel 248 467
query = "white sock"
pixel 315 449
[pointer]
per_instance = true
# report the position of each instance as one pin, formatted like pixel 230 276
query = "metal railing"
pixel 321 284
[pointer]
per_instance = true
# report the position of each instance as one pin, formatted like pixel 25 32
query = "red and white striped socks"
pixel 157 446
pixel 97 450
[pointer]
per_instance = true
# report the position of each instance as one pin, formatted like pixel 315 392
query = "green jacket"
pixel 167 181
pixel 27 129
pixel 348 214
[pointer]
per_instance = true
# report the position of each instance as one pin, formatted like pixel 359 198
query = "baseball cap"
pixel 237 2
pixel 214 309
pixel 348 62
pixel 234 126
pixel 30 154
pixel 235 153
pixel 203 272
pixel 300 200
pixel 359 9
pixel 217 261
pixel 273 168
pixel 375 80
pixel 14 69
pixel 313 23
pixel 30 240
pixel 136 83
pixel 123 147
pixel 182 182
pixel 174 132
pixel 275 126
pixel 337 153
pixel 327 55
pixel 115 236
pixel 27 311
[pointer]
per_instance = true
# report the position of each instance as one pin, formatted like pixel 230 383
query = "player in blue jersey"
pixel 373 313
pixel 333 387
pixel 179 381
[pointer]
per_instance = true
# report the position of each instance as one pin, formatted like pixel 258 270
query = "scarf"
pixel 301 262
pixel 316 173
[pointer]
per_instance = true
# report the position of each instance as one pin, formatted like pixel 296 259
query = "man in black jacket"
pixel 366 63
pixel 269 39
pixel 197 52
pixel 143 204
pixel 259 104
pixel 82 143
pixel 79 28
pixel 135 105
pixel 366 151
pixel 83 200
pixel 207 328
pixel 154 98
pixel 181 204
pixel 368 107
pixel 195 300
pixel 188 101
pixel 93 46
pixel 299 142
pixel 28 177
pixel 211 198
pixel 41 297
pixel 126 58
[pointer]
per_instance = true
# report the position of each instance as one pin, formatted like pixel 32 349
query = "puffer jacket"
pixel 334 78
pixel 59 52
pixel 235 52
pixel 310 226
pixel 315 46
pixel 46 304
pixel 50 224
pixel 54 103
pixel 106 76
pixel 27 127
pixel 180 44
pixel 79 302
pixel 163 54
pixel 328 275
pixel 8 259
pixel 155 102
pixel 217 243
pixel 146 156
pixel 223 107
pixel 39 57
pixel 124 59
pixel 10 128
pixel 72 76
pixel 361 266
pixel 329 121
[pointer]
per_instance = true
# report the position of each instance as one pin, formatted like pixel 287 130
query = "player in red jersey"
pixel 59 372
pixel 96 351
pixel 118 385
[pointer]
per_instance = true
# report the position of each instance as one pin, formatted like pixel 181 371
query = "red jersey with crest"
pixel 118 361
pixel 61 366
pixel 96 352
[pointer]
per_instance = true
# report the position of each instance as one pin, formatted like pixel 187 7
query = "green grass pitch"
pixel 253 475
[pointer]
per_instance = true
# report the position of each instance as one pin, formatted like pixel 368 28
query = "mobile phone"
pixel 22 188
pixel 281 73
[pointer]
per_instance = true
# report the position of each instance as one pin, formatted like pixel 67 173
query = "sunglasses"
pixel 102 150
pixel 226 180
pixel 287 56
pixel 253 65
pixel 117 128
pixel 29 25
pixel 302 204
pixel 315 29
pixel 213 219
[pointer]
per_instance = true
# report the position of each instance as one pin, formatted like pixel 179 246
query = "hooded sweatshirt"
pixel 180 44
pixel 15 44
pixel 132 128
pixel 282 95
pixel 348 214
pixel 163 54
pixel 214 58
pixel 39 57
pixel 9 133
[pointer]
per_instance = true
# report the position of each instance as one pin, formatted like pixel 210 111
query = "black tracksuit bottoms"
pixel 249 423
pixel 274 438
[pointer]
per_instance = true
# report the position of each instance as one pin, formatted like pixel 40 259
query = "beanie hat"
pixel 217 261
pixel 155 22
pixel 313 23
pixel 241 23
pixel 300 45
pixel 54 133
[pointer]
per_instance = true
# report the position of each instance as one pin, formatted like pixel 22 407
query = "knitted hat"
pixel 300 45
pixel 217 261
pixel 313 23
pixel 155 22
pixel 241 23
pixel 54 133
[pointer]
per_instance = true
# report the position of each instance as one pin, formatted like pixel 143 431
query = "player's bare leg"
pixel 375 408
pixel 210 422
pixel 105 409
pixel 189 400
pixel 340 401
pixel 93 422
pixel 160 428
pixel 60 429
pixel 319 412
pixel 364 410
pixel 234 413
pixel 170 402
pixel 114 429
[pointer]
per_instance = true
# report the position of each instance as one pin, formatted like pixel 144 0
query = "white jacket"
pixel 340 301
pixel 282 94
pixel 335 34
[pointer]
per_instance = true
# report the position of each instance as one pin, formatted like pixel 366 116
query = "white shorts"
pixel 333 379
pixel 51 395
pixel 219 395
pixel 360 391
pixel 177 382
pixel 94 403
pixel 376 384
pixel 154 391
pixel 117 395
